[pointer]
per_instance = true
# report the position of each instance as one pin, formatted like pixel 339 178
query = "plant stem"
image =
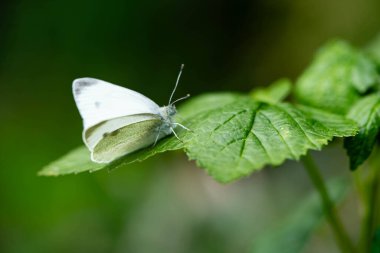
pixel 370 197
pixel 340 234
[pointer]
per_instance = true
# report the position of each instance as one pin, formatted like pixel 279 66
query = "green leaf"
pixel 376 242
pixel 333 122
pixel 233 135
pixel 366 112
pixel 273 94
pixel 292 235
pixel 245 135
pixel 336 78
pixel 76 161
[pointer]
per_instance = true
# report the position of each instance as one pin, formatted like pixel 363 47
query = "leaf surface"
pixel 76 161
pixel 336 78
pixel 241 137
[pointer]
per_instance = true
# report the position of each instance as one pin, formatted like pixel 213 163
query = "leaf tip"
pixel 47 172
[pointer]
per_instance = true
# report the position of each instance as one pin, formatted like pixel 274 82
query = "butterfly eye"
pixel 172 110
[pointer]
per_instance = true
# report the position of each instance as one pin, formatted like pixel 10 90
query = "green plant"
pixel 233 135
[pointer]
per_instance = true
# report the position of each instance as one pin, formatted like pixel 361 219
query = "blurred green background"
pixel 165 204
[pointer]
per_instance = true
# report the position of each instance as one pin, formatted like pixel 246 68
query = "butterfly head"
pixel 167 112
pixel 171 110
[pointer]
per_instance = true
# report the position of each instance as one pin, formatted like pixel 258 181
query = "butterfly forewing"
pixel 99 101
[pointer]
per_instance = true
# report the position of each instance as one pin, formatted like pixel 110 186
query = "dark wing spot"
pixel 82 83
pixel 114 133
pixel 85 82
pixel 77 90
pixel 97 104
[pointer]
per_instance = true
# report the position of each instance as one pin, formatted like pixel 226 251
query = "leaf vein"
pixel 232 142
pixel 229 119
pixel 262 146
pixel 280 135
pixel 250 126
pixel 300 127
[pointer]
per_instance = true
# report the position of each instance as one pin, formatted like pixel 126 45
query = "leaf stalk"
pixel 371 190
pixel 341 237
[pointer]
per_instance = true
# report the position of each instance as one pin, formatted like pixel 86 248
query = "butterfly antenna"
pixel 182 98
pixel 176 84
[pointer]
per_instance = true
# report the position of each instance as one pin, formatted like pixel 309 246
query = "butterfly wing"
pixel 128 139
pixel 94 134
pixel 99 101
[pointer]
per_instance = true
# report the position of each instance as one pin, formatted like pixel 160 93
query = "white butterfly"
pixel 118 121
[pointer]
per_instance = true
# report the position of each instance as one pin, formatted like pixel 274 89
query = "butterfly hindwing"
pixel 94 134
pixel 128 139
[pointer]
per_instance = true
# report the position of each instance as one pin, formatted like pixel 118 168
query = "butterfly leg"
pixel 175 134
pixel 158 135
pixel 178 124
